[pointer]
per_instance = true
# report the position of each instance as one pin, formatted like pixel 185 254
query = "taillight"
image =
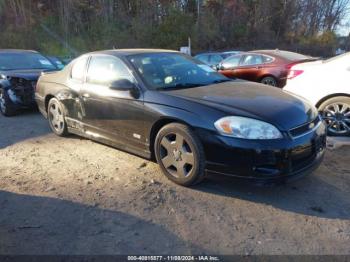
pixel 294 73
pixel 289 66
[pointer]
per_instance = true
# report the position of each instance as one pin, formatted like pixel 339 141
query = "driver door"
pixel 249 67
pixel 229 66
pixel 109 114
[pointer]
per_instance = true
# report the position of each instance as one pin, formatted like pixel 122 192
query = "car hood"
pixel 249 99
pixel 28 74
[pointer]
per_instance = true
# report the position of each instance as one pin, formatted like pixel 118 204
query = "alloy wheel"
pixel 269 81
pixel 176 155
pixel 337 118
pixel 56 117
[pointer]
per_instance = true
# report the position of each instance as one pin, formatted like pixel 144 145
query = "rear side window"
pixel 267 59
pixel 252 60
pixel 103 70
pixel 78 69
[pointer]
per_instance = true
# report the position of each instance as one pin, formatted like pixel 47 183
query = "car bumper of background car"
pixel 40 101
pixel 265 161
pixel 21 97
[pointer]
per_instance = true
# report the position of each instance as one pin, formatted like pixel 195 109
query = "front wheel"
pixel 336 113
pixel 56 117
pixel 180 154
pixel 269 80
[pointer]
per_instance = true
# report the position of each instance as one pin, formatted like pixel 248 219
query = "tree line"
pixel 63 27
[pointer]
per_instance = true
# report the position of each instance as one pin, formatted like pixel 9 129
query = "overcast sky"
pixel 345 29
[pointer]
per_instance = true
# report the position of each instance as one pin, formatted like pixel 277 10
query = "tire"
pixel 6 106
pixel 336 113
pixel 56 117
pixel 269 80
pixel 180 154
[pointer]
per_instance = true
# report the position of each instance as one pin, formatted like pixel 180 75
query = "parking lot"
pixel 75 196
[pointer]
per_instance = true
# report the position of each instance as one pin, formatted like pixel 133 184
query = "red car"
pixel 269 67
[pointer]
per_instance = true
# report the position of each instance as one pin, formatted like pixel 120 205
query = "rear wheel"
pixel 336 113
pixel 56 117
pixel 269 80
pixel 180 154
pixel 6 105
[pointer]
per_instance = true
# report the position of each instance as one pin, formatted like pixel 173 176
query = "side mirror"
pixel 215 67
pixel 220 67
pixel 122 85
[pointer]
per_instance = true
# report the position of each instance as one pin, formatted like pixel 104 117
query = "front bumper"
pixel 21 96
pixel 265 160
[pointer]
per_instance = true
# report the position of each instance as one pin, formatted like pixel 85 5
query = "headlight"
pixel 246 128
pixel 2 76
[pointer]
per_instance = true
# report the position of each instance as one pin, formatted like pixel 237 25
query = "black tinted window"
pixel 103 70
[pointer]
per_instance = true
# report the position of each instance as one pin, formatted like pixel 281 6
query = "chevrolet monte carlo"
pixel 167 106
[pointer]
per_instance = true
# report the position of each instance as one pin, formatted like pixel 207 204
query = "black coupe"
pixel 170 107
pixel 19 72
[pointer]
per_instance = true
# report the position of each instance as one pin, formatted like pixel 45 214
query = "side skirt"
pixel 77 128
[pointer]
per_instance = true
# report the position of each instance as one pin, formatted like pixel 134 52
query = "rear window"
pixel 291 55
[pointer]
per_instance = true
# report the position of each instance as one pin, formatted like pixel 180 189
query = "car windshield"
pixel 17 61
pixel 56 61
pixel 162 71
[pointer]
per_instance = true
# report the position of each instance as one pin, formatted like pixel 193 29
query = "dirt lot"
pixel 74 196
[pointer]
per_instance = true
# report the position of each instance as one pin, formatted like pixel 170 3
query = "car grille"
pixel 303 129
pixel 23 89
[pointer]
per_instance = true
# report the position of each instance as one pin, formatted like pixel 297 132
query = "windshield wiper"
pixel 180 86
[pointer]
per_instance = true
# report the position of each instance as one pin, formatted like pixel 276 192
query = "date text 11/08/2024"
pixel 173 258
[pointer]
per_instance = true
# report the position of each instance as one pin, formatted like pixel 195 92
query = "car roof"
pixel 126 52
pixel 16 51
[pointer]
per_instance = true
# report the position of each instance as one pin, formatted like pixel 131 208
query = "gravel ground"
pixel 75 196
